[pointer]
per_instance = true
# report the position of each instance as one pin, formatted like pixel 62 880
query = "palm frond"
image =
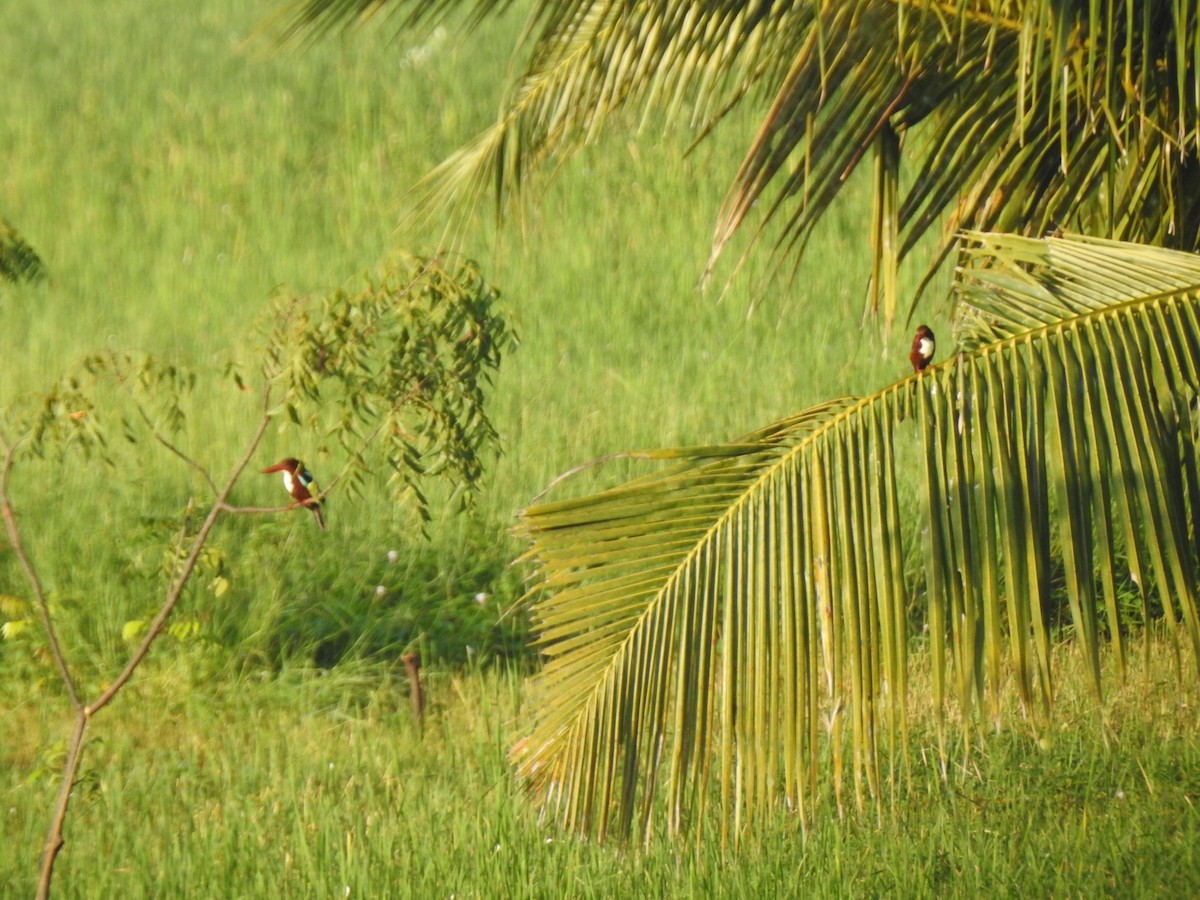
pixel 1047 115
pixel 321 16
pixel 1016 117
pixel 744 610
pixel 591 60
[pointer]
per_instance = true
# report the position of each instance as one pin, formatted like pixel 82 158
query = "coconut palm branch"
pixel 1017 117
pixel 714 629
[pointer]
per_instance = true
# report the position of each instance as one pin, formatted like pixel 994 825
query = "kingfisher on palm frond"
pixel 922 349
pixel 298 482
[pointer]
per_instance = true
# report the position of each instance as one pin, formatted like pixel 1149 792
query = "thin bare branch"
pixel 189 564
pixel 158 436
pixel 263 510
pixel 54 839
pixel 35 582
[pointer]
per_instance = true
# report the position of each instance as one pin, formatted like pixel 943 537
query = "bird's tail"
pixel 316 508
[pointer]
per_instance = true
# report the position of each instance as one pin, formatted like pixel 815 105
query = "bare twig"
pixel 262 510
pixel 157 435
pixel 55 839
pixel 180 581
pixel 35 582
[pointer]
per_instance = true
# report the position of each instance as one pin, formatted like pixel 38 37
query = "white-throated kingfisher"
pixel 922 349
pixel 298 482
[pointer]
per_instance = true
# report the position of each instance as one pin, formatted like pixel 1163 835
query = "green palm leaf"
pixel 1013 117
pixel 717 625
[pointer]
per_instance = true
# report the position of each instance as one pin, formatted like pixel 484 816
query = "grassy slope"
pixel 170 187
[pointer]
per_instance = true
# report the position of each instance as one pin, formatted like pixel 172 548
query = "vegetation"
pixel 18 261
pixel 308 782
pixel 163 208
pixel 691 614
pixel 707 622
pixel 1024 117
pixel 392 375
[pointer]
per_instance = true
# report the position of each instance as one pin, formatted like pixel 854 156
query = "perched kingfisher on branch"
pixel 298 482
pixel 922 349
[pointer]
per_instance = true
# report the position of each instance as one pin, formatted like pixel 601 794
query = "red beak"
pixel 278 467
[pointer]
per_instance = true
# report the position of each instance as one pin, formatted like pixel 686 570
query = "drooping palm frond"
pixel 590 61
pixel 721 623
pixel 320 16
pixel 1017 116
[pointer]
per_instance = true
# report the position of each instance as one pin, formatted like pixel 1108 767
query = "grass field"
pixel 174 168
pixel 318 784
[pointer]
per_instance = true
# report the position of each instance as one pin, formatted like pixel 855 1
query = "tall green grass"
pixel 318 783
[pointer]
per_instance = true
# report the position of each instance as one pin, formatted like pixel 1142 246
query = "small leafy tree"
pixel 394 374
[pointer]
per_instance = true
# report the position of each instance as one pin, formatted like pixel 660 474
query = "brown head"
pixel 284 465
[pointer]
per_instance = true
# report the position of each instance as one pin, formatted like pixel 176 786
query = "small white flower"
pixel 393 556
pixel 481 598
pixel 380 590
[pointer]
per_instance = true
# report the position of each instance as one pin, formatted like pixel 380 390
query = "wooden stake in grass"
pixel 412 663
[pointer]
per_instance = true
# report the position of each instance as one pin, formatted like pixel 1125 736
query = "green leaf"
pixel 13 627
pixel 13 606
pixel 133 629
pixel 18 260
pixel 184 630
pixel 402 366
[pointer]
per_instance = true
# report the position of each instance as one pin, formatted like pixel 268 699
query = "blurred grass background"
pixel 174 168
